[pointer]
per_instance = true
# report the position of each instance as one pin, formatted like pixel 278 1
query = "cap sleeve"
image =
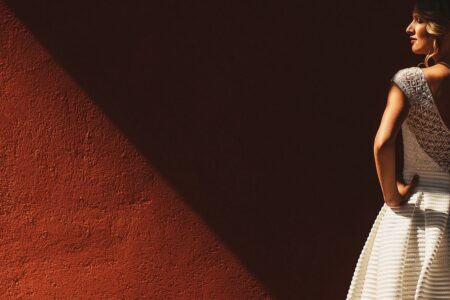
pixel 407 80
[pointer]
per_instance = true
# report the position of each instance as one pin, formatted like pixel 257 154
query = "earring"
pixel 435 46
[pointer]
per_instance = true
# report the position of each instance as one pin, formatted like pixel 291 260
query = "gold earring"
pixel 435 46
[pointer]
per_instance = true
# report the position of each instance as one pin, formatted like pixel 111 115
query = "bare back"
pixel 438 79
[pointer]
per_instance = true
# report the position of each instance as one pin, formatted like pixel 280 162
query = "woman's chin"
pixel 417 52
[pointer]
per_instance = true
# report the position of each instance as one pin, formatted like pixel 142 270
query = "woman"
pixel 407 252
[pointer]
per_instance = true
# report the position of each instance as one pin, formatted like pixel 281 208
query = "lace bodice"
pixel 423 123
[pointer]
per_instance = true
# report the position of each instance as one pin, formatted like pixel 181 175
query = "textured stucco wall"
pixel 83 214
pixel 190 149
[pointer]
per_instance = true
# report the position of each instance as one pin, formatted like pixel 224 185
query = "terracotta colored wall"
pixel 189 150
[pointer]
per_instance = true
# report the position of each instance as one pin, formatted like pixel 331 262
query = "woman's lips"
pixel 412 41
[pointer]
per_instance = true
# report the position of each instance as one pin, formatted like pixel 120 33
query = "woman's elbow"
pixel 379 144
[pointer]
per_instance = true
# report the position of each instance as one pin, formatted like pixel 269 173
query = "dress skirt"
pixel 407 252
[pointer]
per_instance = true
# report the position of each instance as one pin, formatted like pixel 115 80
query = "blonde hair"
pixel 436 14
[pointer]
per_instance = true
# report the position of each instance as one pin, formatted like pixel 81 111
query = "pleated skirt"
pixel 407 252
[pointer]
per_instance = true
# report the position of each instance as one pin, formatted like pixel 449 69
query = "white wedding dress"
pixel 407 252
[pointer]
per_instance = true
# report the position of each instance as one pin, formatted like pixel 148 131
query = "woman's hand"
pixel 404 192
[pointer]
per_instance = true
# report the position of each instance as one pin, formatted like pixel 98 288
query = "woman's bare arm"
pixel 395 113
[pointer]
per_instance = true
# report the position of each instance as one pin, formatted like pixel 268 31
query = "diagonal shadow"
pixel 224 100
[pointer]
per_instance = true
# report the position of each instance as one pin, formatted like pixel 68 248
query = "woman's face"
pixel 421 41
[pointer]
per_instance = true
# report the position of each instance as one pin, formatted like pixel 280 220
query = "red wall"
pixel 190 150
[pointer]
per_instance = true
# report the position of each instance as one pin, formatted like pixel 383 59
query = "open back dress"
pixel 407 252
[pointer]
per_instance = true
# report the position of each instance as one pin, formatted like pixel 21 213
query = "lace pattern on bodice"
pixel 423 119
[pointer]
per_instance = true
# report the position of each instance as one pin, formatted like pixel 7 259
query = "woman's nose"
pixel 409 29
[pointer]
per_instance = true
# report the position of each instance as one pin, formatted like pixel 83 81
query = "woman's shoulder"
pixel 407 74
pixel 422 73
pixel 436 73
pixel 408 79
pixel 415 81
pixel 437 78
